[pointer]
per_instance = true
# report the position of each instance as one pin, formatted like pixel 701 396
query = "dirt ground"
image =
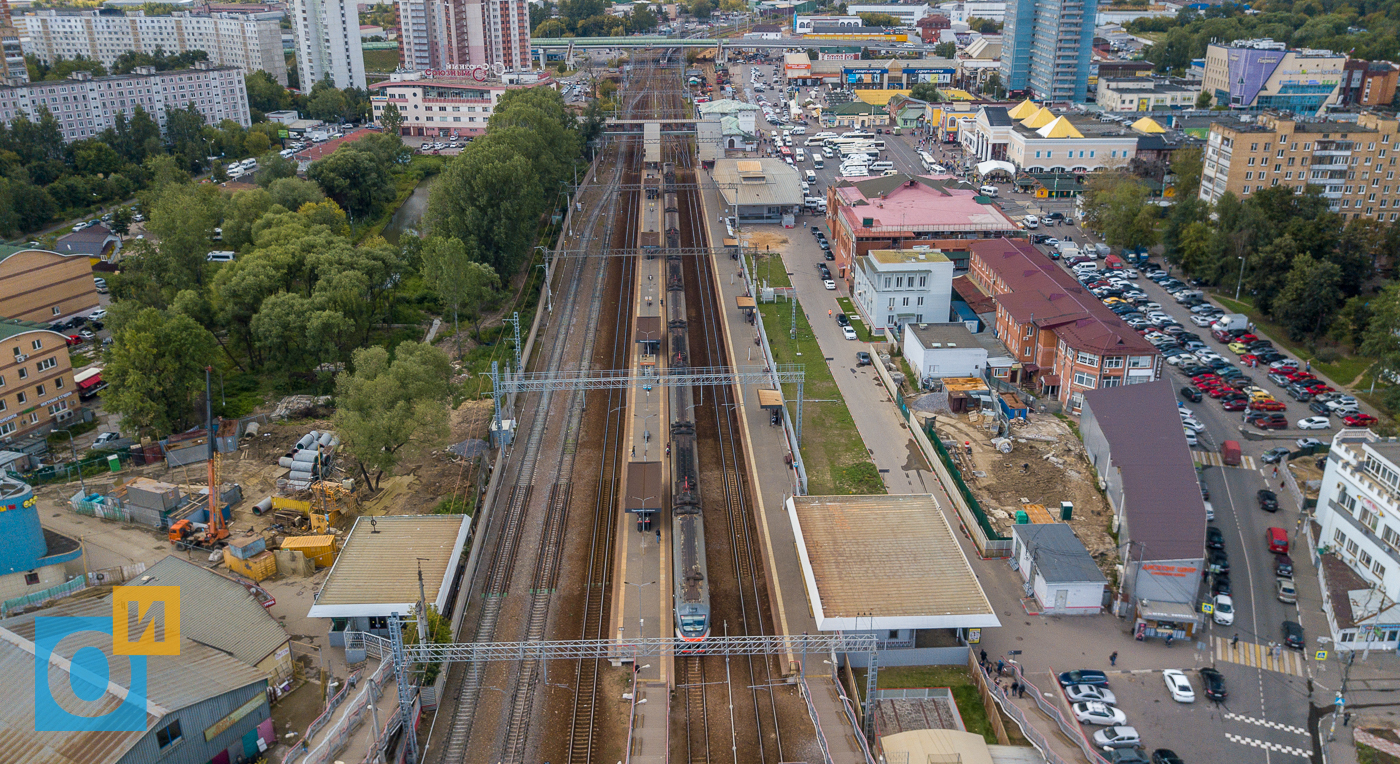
pixel 1047 465
pixel 766 240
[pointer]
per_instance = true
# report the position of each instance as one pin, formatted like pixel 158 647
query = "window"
pixel 923 281
pixel 1088 359
pixel 168 735
pixel 906 302
pixel 1085 380
pixel 1379 570
pixel 36 344
pixel 30 579
pixel 7 428
pixel 1363 560
pixel 58 383
pixel 21 398
pixel 1113 362
pixel 57 310
pixel 1351 547
pixel 40 390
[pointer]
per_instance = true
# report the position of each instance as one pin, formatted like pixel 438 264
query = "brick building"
pixel 1066 339
pixel 38 285
pixel 36 381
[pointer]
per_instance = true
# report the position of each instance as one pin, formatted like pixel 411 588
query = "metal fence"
pixel 1071 729
pixel 789 430
pixel 115 575
pixel 989 542
pixel 63 473
pixel 107 508
pixel 40 597
pixel 339 736
pixel 816 721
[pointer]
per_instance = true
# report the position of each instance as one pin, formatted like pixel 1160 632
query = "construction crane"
pixel 184 532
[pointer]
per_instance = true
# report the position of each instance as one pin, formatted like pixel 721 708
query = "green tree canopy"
pixel 154 369
pixel 355 178
pixel 387 410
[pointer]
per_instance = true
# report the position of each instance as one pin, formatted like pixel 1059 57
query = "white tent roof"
pixel 991 166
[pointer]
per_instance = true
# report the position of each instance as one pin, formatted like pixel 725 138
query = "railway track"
pixel 697 729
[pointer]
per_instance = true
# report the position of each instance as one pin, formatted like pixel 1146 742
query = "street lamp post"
pixel 1239 282
pixel 74 449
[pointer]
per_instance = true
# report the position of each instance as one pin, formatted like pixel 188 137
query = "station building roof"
pixel 376 572
pixel 884 562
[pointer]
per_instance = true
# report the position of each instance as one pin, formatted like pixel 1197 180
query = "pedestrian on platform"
pixel 984 657
pixel 1014 687
pixel 1113 659
pixel 1001 664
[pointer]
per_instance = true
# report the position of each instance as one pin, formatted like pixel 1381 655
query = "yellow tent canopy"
pixel 1060 128
pixel 1148 125
pixel 1022 110
pixel 1039 119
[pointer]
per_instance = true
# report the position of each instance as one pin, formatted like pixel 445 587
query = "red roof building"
pixel 320 150
pixel 1068 340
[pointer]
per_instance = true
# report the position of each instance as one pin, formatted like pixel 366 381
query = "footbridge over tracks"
pixel 541 47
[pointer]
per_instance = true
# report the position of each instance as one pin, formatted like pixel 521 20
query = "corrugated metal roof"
pixel 379 564
pixel 198 673
pixel 218 611
pixel 1059 554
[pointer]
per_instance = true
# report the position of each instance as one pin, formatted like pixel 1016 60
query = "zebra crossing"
pixel 1260 656
pixel 1266 745
pixel 1212 459
pixel 1267 723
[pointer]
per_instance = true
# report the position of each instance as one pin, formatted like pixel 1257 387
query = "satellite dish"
pixel 373 525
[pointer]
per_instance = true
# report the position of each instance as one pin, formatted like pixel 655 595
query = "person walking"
pixel 1235 640
pixel 1001 664
pixel 983 654
pixel 1113 659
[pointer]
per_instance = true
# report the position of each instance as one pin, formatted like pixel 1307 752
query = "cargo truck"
pixel 1230 322
pixel 1230 453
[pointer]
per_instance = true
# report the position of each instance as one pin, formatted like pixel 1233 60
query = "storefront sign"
pixel 935 76
pixel 1174 571
pixel 238 713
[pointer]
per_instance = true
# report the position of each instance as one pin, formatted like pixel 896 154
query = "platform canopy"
pixel 770 399
pixel 991 166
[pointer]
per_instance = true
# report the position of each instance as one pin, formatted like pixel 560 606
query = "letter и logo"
pixel 135 609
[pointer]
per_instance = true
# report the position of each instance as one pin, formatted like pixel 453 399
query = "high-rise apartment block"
pixel 85 105
pixel 460 33
pixel 12 67
pixel 1046 47
pixel 250 42
pixel 328 43
pixel 1353 162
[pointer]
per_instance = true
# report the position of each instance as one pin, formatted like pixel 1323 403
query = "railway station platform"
pixel 773 480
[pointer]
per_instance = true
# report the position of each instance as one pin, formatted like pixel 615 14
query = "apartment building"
pixel 1047 46
pixel 36 380
pixel 1356 540
pixel 328 42
pixel 1254 75
pixel 457 34
pixel 1368 83
pixel 1145 94
pixel 12 67
pixel 249 41
pixel 38 285
pixel 1067 341
pixel 446 105
pixel 896 287
pixel 424 37
pixel 87 105
pixel 1038 140
pixel 1353 162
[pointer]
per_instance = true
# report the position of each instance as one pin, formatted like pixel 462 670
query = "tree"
pixel 461 283
pixel 183 220
pixel 1310 297
pixel 878 20
pixel 1203 100
pixel 242 211
pixel 490 199
pixel 993 85
pixel 1186 166
pixel 1115 204
pixel 946 50
pixel 94 157
pixel 184 134
pixel 265 94
pixel 642 19
pixel 925 91
pixel 702 9
pixel 293 193
pixel 257 144
pixel 121 220
pixel 552 28
pixel 392 119
pixel 1381 338
pixel 272 167
pixel 154 369
pixel 386 411
pixel 355 179
pixel 23 207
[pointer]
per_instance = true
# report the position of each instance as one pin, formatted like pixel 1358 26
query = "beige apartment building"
pixel 1353 162
pixel 36 380
pixel 38 285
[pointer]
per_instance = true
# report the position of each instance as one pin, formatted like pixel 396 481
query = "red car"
pixel 1359 420
pixel 1320 388
pixel 1299 376
pixel 74 339
pixel 1245 339
pixel 1268 406
pixel 1217 392
pixel 1233 404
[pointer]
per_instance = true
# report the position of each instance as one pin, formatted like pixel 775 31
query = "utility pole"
pixel 422 606
pixel 1340 702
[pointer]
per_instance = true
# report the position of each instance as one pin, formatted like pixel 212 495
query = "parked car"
pixel 1220 584
pixel 1214 683
pixel 1277 539
pixel 842 320
pixel 106 437
pixel 849 333
pixel 1285 590
pixel 1293 635
pixel 1078 693
pixel 1314 423
pixel 1268 500
pixel 1224 609
pixel 1110 738
pixel 1083 676
pixel 1306 443
pixel 829 284
pixel 1219 562
pixel 1359 420
pixel 1179 686
pixel 1165 756
pixel 1093 712
pixel 862 358
pixel 1215 539
pixel 1275 455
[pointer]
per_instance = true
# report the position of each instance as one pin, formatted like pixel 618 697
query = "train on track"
pixel 692 585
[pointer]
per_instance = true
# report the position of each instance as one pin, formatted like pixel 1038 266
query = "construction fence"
pixel 338 736
pixel 40 597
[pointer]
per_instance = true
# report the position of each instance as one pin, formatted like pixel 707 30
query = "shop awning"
pixel 1153 610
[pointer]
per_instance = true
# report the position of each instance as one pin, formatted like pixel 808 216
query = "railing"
pixel 789 429
pixel 816 720
pixel 40 597
pixel 339 735
pixel 1071 729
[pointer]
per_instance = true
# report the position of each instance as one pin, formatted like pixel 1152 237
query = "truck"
pixel 1230 453
pixel 1230 322
pixel 1068 249
pixel 1114 263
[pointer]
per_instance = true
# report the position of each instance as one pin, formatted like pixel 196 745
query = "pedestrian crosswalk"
pixel 1266 723
pixel 1275 658
pixel 1266 745
pixel 1213 459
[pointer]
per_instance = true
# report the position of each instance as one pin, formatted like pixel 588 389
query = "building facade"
pixel 37 390
pixel 251 42
pixel 1358 523
pixel 1353 162
pixel 87 105
pixel 1253 75
pixel 42 286
pixel 423 37
pixel 895 287
pixel 1144 94
pixel 1046 47
pixel 443 106
pixel 1037 140
pixel 464 33
pixel 328 42
pixel 1368 83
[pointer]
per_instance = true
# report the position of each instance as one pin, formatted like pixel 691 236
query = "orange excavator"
pixel 184 532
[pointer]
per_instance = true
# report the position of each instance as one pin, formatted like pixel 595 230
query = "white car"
pixel 1314 423
pixel 848 333
pixel 1185 413
pixel 1087 692
pixel 1117 737
pixel 1192 424
pixel 1224 610
pixel 1052 242
pixel 1202 321
pixel 829 284
pixel 1093 712
pixel 98 315
pixel 1179 686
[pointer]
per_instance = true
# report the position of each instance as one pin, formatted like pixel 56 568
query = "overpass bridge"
pixel 572 44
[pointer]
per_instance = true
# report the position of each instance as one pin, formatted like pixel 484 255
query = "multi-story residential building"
pixel 1145 94
pixel 328 42
pixel 908 211
pixel 1037 140
pixel 249 41
pixel 444 105
pixel 87 105
pixel 1066 339
pixel 13 70
pixel 1046 47
pixel 424 39
pixel 1353 162
pixel 1253 75
pixel 894 287
pixel 1368 83
pixel 465 33
pixel 38 285
pixel 1356 540
pixel 36 380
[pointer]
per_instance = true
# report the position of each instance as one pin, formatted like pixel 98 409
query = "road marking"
pixel 1273 747
pixel 1269 724
pixel 1213 459
pixel 1258 656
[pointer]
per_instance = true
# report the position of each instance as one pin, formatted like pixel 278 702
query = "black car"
pixel 1274 455
pixel 1299 393
pixel 1205 492
pixel 1039 238
pixel 1215 539
pixel 1219 562
pixel 1193 370
pixel 1165 756
pixel 816 230
pixel 1221 584
pixel 1054 216
pixel 1319 407
pixel 827 254
pixel 1191 394
pixel 841 320
pixel 1293 634
pixel 1215 684
pixel 1268 500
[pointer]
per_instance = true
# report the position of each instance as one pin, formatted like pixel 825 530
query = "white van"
pixel 1032 221
pixel 801 155
pixel 814 142
pixel 817 161
pixel 881 166
pixel 799 130
pixel 811 177
pixel 988 191
pixel 927 160
pixel 814 203
pixel 219 256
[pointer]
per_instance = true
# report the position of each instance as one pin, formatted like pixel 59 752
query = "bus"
pixel 89 382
